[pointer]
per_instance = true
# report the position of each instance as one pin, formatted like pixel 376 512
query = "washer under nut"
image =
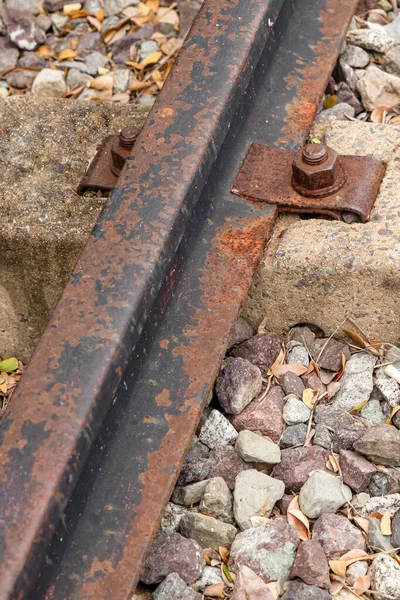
pixel 317 171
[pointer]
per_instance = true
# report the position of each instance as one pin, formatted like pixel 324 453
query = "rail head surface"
pixel 80 360
pixel 71 380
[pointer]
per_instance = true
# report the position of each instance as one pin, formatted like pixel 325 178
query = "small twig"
pixel 330 337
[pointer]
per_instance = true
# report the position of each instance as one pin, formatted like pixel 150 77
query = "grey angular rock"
pixel 357 569
pixel 311 564
pixel 23 5
pixel 393 29
pixel 226 463
pixel 376 540
pixel 355 57
pixel 20 79
pixel 43 22
pixel 296 465
pixel 173 554
pixel 378 88
pixel 356 382
pixel 370 39
pixel 174 588
pixel 217 431
pixel 237 385
pixel 207 531
pixel 292 384
pixel 93 61
pixel 189 494
pixel 388 387
pixel 333 416
pixel 385 576
pixel 197 465
pixel 217 500
pixel 269 550
pixel 379 484
pixel 337 112
pixel 261 350
pixel 381 504
pixel 373 412
pixel 76 78
pixel 313 382
pixel 171 518
pixel 396 530
pixel 49 84
pixel 391 61
pixel 298 590
pixel 30 60
pixel 241 329
pixel 381 445
pixel 113 7
pixel 356 470
pixel 323 493
pixel 92 7
pixel 295 435
pixel 295 411
pixel 300 355
pixel 255 495
pixel 346 95
pixel 337 535
pixel 8 58
pixel 210 576
pixel 322 437
pixel 255 448
pixel 122 79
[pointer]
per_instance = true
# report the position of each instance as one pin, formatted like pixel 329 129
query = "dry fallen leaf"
pixel 332 388
pixel 333 463
pixel 358 407
pixel 361 341
pixel 363 523
pixel 298 519
pixel 250 586
pixel 361 584
pixel 68 9
pixel 336 587
pixel 386 524
pixel 152 58
pixel 94 22
pixel 224 553
pixel 66 54
pixel 100 15
pixel 256 521
pixel 216 590
pixel 379 113
pixel 140 85
pixel 309 397
pixel 103 82
pixel 274 589
pixel 296 368
pixel 339 566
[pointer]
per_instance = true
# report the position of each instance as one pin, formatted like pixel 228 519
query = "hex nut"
pixel 316 176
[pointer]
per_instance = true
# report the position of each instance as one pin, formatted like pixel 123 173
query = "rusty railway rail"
pixel 95 436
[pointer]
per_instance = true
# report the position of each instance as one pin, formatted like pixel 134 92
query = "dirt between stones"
pixel 297 491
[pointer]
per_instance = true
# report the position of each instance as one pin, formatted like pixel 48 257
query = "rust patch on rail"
pixel 310 80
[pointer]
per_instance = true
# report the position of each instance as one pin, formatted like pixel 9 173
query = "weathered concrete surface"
pixel 45 147
pixel 321 271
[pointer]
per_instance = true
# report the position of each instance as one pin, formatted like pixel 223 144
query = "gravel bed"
pixel 291 487
pixel 109 50
pixel 365 83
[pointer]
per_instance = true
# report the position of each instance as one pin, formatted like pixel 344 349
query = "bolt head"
pixel 314 175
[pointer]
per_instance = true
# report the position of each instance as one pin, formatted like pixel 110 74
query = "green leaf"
pixel 9 364
pixel 226 573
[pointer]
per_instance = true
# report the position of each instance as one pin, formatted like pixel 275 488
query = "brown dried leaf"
pixel 296 368
pixel 274 588
pixel 339 566
pixel 333 462
pixel 358 407
pixel 66 54
pixel 386 524
pixel 100 15
pixel 361 341
pixel 249 586
pixel 215 591
pixel 361 584
pixel 326 376
pixel 298 520
pixel 310 397
pixel 363 523
pixel 224 553
pixel 336 587
pixel 332 388
pixel 94 22
pixel 68 9
pixel 101 83
pixel 140 85
pixel 152 59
